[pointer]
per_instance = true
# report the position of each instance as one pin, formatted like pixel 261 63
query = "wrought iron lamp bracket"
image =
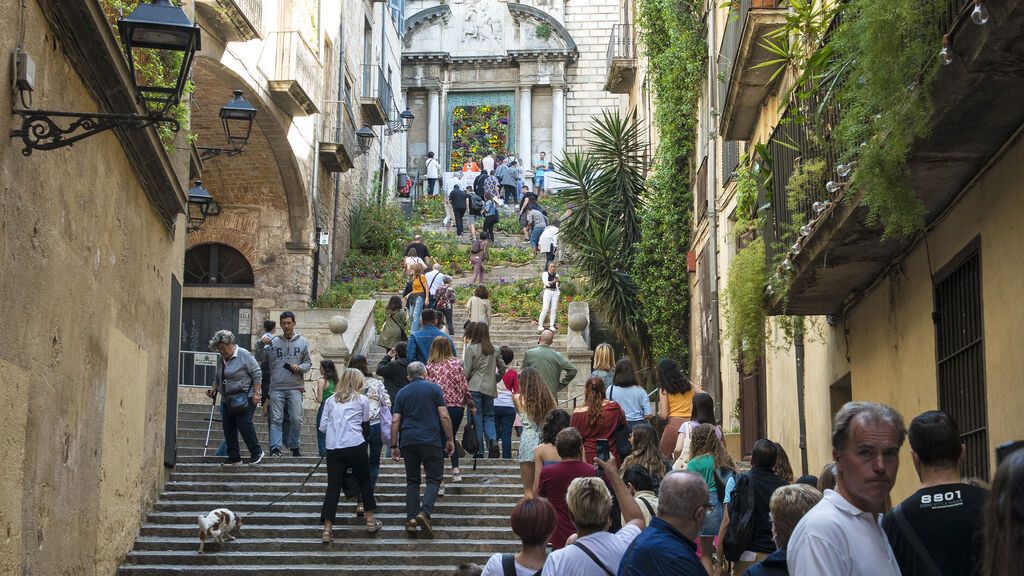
pixel 206 153
pixel 40 131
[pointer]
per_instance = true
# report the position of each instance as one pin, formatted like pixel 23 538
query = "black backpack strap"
pixel 915 541
pixel 648 506
pixel 508 564
pixel 593 557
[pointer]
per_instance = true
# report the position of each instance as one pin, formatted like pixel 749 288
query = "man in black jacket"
pixel 762 482
pixel 393 369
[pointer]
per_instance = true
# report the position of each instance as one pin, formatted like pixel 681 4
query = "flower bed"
pixel 520 299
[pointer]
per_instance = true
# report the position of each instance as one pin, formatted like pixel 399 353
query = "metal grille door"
pixel 959 337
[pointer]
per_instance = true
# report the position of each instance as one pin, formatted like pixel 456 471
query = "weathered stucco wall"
pixel 892 337
pixel 86 267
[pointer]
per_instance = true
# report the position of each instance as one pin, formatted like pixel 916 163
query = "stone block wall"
pixel 590 23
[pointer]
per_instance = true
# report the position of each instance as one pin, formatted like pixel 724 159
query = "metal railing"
pixel 295 60
pixel 338 130
pixel 731 42
pixel 252 10
pixel 376 85
pixel 700 190
pixel 620 44
pixel 197 369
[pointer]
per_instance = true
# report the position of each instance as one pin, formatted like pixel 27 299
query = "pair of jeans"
pixel 222 450
pixel 321 437
pixel 280 402
pixel 416 310
pixel 535 235
pixel 448 315
pixel 376 447
pixel 459 215
pixel 240 423
pixel 455 413
pixel 504 419
pixel 509 192
pixel 484 420
pixel 431 458
pixel 339 461
pixel 431 182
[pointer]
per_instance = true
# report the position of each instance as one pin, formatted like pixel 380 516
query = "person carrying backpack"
pixel 746 525
pixel 476 207
pixel 491 216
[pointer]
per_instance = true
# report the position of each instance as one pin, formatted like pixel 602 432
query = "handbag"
pixel 238 402
pixel 470 442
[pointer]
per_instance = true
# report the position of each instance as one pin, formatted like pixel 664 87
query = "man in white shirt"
pixel 433 172
pixel 595 551
pixel 548 242
pixel 842 534
pixel 434 280
pixel 488 163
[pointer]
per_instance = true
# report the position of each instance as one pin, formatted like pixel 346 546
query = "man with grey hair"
pixel 667 547
pixel 842 534
pixel 238 382
pixel 421 433
pixel 550 363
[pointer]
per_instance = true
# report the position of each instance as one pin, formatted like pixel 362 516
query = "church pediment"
pixel 473 29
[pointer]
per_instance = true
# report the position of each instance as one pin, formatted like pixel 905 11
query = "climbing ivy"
pixel 673 40
pixel 743 302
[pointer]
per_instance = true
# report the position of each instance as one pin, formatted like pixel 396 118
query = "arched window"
pixel 217 264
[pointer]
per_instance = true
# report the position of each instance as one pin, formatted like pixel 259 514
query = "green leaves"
pixel 743 302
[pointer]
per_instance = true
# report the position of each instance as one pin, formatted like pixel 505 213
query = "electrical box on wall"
pixel 24 71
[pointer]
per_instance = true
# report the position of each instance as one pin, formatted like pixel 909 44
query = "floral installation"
pixel 478 131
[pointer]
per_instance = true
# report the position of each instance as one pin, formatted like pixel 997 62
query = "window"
pixel 959 344
pixel 217 264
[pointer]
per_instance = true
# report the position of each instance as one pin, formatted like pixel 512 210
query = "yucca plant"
pixel 606 193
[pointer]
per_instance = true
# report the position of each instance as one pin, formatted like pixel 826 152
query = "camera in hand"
pixel 288 367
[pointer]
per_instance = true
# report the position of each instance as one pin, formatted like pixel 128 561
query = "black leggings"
pixel 338 461
pixel 489 223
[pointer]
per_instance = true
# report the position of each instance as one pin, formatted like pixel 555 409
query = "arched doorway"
pixel 224 274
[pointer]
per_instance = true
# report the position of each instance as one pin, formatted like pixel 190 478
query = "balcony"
pixel 843 252
pixel 376 99
pixel 742 87
pixel 337 139
pixel 233 20
pixel 621 60
pixel 294 73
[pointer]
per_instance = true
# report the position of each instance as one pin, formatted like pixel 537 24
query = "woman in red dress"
pixel 598 418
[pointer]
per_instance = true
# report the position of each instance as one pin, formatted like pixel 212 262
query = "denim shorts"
pixel 713 521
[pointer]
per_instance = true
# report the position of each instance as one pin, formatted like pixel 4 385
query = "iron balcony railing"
pixel 376 85
pixel 731 43
pixel 252 10
pixel 620 44
pixel 295 60
pixel 339 124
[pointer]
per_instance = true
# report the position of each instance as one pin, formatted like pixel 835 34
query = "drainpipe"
pixel 339 110
pixel 712 184
pixel 798 347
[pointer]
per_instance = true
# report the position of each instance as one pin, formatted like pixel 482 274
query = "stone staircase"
pixel 470 523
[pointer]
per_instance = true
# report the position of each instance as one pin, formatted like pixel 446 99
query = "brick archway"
pixel 237 239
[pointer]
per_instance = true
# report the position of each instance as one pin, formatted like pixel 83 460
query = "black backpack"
pixel 476 204
pixel 740 531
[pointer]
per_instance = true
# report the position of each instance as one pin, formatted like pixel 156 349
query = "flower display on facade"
pixel 478 131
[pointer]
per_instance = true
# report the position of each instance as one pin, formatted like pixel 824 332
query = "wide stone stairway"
pixel 470 523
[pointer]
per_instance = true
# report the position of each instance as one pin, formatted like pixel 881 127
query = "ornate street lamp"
pixel 365 138
pixel 236 117
pixel 158 30
pixel 200 205
pixel 407 117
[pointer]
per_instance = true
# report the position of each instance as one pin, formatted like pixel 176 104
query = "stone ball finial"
pixel 578 321
pixel 338 324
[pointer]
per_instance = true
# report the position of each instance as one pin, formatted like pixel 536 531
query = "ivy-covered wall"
pixel 672 36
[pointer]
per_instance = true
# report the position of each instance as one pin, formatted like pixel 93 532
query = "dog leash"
pixel 308 476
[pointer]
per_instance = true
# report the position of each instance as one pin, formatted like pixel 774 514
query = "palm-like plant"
pixel 606 193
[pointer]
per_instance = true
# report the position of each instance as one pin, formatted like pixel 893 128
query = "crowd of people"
pixel 603 491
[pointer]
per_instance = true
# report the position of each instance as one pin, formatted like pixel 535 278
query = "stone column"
pixel 434 123
pixel 523 151
pixel 557 122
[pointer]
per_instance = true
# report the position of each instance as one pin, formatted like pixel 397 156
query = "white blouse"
pixel 343 422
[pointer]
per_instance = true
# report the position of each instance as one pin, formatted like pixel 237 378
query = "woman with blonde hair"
pixel 533 402
pixel 604 363
pixel 445 369
pixel 346 421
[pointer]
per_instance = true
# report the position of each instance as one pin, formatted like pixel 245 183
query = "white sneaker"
pixel 457 476
pixel 440 492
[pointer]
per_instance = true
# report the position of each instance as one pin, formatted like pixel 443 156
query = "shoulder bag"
pixel 593 557
pixel 915 541
pixel 238 402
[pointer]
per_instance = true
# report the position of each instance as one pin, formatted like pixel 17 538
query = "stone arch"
pixel 232 268
pixel 236 239
pixel 425 17
pixel 216 82
pixel 524 12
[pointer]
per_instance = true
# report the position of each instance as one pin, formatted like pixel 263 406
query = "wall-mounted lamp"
pixel 236 117
pixel 364 139
pixel 200 205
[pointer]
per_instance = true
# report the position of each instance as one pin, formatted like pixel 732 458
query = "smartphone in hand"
pixel 288 367
pixel 602 453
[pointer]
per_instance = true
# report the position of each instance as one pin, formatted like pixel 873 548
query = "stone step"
pixel 387 474
pixel 403 545
pixel 344 520
pixel 450 528
pixel 328 554
pixel 311 503
pixel 285 569
pixel 384 486
pixel 208 500
pixel 484 468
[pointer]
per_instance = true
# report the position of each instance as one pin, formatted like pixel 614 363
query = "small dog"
pixel 219 525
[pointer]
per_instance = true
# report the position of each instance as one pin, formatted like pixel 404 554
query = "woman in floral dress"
pixel 533 402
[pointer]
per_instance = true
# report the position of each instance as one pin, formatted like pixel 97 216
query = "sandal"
pixel 327 537
pixel 374 527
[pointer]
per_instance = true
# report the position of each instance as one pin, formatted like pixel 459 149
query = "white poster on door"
pixel 245 321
